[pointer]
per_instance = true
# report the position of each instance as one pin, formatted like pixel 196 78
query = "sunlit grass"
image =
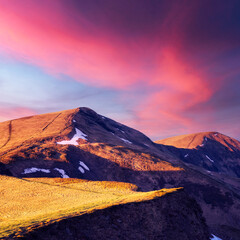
pixel 29 203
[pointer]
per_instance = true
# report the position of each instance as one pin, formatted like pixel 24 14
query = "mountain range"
pixel 83 145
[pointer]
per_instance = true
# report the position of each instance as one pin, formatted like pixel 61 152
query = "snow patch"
pixel 33 170
pixel 186 155
pixel 73 141
pixel 209 158
pixel 81 169
pixel 62 172
pixel 203 144
pixel 215 134
pixel 74 120
pixel 84 165
pixel 215 238
pixel 125 140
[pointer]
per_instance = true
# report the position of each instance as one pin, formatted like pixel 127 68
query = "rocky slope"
pixel 82 144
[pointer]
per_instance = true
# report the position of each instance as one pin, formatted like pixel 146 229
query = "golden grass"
pixel 129 158
pixel 185 141
pixel 86 185
pixel 18 131
pixel 29 203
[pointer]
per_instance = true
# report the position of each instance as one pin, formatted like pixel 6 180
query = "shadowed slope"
pixel 216 157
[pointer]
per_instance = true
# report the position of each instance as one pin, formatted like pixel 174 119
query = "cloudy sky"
pixel 164 67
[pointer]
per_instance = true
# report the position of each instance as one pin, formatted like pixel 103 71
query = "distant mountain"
pixel 196 140
pixel 212 151
pixel 82 144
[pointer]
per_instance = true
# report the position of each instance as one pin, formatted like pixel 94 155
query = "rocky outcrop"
pixel 173 216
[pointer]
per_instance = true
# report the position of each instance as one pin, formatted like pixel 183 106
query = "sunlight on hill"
pixel 29 203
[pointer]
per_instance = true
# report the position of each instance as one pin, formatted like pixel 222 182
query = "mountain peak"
pixel 86 110
pixel 69 127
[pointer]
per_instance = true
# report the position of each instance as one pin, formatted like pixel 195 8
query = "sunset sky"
pixel 163 67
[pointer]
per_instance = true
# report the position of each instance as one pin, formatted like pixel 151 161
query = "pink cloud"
pixel 177 88
pixel 46 39
pixel 48 36
pixel 15 112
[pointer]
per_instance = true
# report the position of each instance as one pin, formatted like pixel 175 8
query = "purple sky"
pixel 163 67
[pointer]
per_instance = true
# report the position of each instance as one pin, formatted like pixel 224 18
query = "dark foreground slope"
pixel 54 208
pixel 82 144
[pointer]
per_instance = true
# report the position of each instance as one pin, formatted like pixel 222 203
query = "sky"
pixel 164 67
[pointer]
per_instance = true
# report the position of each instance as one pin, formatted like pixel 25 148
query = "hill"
pixel 73 209
pixel 82 124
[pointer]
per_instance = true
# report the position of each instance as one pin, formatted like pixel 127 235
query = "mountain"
pixel 59 126
pixel 212 151
pixel 82 144
pixel 195 140
pixel 78 143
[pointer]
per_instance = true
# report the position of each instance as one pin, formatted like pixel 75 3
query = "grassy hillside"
pixel 29 203
pixel 21 131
